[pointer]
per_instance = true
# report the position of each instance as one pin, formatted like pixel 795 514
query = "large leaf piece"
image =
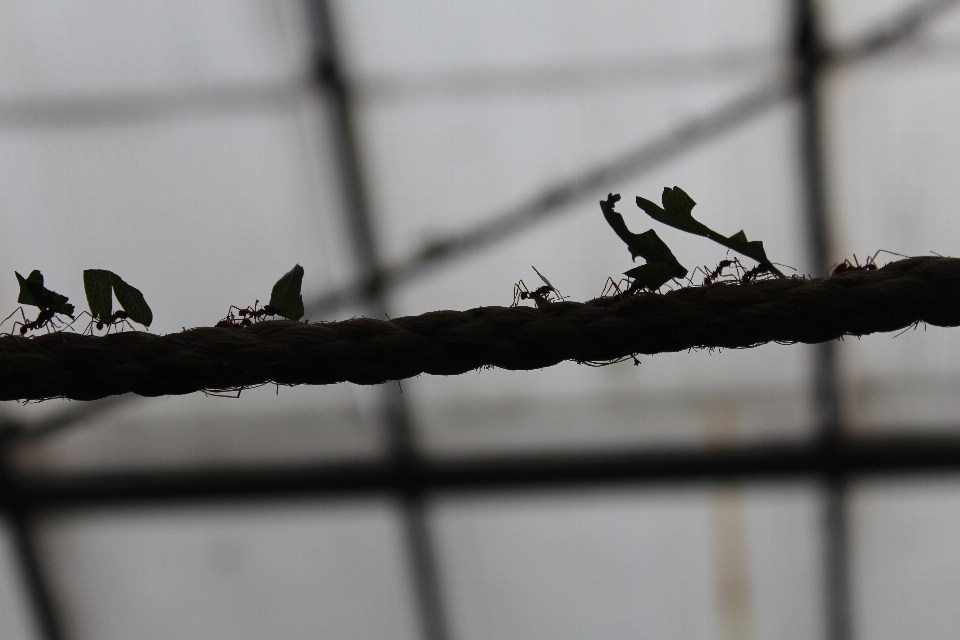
pixel 285 297
pixel 101 285
pixel 98 285
pixel 33 292
pixel 677 213
pixel 132 301
pixel 661 264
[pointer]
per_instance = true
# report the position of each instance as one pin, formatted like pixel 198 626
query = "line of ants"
pixel 626 286
pixel 542 296
pixel 237 318
pixel 47 318
pixel 870 264
pixel 246 316
pixel 741 275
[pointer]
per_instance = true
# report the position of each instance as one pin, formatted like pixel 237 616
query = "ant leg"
pixel 14 312
pixel 893 253
pixel 80 315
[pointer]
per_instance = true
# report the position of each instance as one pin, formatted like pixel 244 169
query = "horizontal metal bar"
pixel 522 472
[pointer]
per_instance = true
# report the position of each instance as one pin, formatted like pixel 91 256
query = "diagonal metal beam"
pixel 395 416
pixel 17 509
pixel 810 57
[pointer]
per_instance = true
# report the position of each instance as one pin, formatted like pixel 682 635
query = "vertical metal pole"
pixel 17 513
pixel 808 51
pixel 329 76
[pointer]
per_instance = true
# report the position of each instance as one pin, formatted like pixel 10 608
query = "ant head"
pixel 23 330
pixel 99 324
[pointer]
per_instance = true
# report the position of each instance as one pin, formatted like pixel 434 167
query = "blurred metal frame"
pixel 406 474
pixel 395 417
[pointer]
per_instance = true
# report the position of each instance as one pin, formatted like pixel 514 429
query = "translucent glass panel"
pixel 440 162
pixel 894 145
pixel 385 38
pixel 691 563
pixel 198 213
pixel 281 571
pixel 263 426
pixel 108 47
pixel 15 617
pixel 843 20
pixel 905 559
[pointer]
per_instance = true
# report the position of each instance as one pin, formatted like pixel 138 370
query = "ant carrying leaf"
pixel 661 265
pixel 285 300
pixel 50 303
pixel 541 296
pixel 677 213
pixel 100 287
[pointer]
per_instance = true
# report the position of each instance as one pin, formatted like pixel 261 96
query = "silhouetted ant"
pixel 233 322
pixel 116 319
pixel 752 274
pixel 616 288
pixel 541 297
pixel 247 316
pixel 723 264
pixel 257 314
pixel 46 318
pixel 869 265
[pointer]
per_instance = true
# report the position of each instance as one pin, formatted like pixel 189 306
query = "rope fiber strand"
pixel 367 351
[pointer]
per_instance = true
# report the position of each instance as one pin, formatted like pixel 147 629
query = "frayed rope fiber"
pixel 367 351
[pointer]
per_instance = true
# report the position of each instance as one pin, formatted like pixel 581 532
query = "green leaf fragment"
pixel 662 265
pixel 542 277
pixel 98 285
pixel 132 301
pixel 653 274
pixel 677 213
pixel 285 297
pixel 33 293
pixel 101 285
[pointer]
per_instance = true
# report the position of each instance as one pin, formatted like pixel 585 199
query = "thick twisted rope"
pixel 366 351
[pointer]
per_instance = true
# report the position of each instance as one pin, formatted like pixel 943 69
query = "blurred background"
pixel 415 156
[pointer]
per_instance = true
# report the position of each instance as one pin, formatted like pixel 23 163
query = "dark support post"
pixel 15 510
pixel 329 77
pixel 809 54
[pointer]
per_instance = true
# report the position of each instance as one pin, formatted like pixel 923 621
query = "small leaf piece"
pixel 98 285
pixel 101 285
pixel 661 265
pixel 285 297
pixel 542 277
pixel 677 213
pixel 33 293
